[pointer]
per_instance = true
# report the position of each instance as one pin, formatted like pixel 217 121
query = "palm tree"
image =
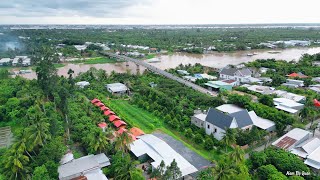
pixel 223 170
pixel 23 144
pixel 237 155
pixel 123 142
pixel 97 141
pixel 39 132
pixel 15 165
pixel 229 138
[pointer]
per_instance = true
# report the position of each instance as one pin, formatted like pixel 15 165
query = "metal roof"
pixel 117 87
pixel 289 139
pixel 313 159
pixel 261 122
pixel 158 150
pixel 229 108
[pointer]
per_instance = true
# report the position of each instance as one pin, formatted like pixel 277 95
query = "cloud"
pixel 48 8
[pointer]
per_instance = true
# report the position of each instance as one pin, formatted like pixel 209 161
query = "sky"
pixel 158 11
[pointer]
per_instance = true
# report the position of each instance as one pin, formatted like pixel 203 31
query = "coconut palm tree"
pixel 15 165
pixel 23 144
pixel 223 170
pixel 237 155
pixel 97 141
pixel 229 138
pixel 123 142
pixel 39 132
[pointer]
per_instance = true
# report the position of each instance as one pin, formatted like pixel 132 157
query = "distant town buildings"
pixel 18 60
pixel 241 75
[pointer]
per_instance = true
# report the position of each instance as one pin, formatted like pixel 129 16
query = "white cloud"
pixel 160 12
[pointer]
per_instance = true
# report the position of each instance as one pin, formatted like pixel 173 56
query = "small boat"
pixel 250 54
pixel 153 60
pixel 255 53
pixel 274 52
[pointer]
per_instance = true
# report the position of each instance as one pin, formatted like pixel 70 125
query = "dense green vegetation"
pixel 194 40
pixel 97 60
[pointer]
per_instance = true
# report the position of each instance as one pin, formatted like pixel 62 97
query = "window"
pixel 215 130
pixel 208 126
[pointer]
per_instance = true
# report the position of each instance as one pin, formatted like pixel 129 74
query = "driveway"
pixel 193 158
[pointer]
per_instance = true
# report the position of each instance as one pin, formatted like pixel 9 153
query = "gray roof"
pixel 228 71
pixel 243 118
pixel 231 71
pixel 219 119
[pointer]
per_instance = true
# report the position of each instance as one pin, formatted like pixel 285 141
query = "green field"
pixel 58 65
pixel 147 122
pixel 97 60
pixel 150 56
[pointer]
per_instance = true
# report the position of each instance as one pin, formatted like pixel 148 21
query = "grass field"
pixel 58 65
pixel 150 56
pixel 146 121
pixel 97 60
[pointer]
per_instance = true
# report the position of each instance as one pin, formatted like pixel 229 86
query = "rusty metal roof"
pixel 286 142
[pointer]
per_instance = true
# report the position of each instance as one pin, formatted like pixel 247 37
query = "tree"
pixel 266 100
pixel 257 159
pixel 14 166
pixel 174 170
pixel 40 173
pixel 206 175
pixel 198 138
pixel 123 142
pixel 39 132
pixel 223 170
pixel 269 172
pixel 23 144
pixel 229 138
pixel 97 141
pixel 208 144
pixel 45 70
pixel 237 155
pixel 122 168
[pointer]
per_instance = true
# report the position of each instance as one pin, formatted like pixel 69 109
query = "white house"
pixel 218 122
pixel 287 105
pixel 293 83
pixel 117 88
pixel 241 75
pixel 290 96
pixel 5 61
pixel 292 139
pixel 82 84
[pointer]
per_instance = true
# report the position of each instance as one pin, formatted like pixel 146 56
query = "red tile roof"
pixel 108 112
pixel 136 131
pixel 102 125
pixel 99 104
pixel 299 75
pixel 119 123
pixel 114 118
pixel 95 100
pixel 121 130
pixel 316 103
pixel 104 108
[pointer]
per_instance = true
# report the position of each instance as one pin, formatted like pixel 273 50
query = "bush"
pixel 208 145
pixel 198 138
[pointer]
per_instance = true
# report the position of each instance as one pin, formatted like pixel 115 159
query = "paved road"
pixel 162 72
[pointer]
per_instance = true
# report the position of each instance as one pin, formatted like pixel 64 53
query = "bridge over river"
pixel 161 72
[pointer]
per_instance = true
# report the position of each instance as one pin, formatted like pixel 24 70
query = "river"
pixel 215 59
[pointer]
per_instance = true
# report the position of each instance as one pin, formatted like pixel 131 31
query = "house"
pixel 199 119
pixel 264 124
pixel 88 167
pixel 293 83
pixel 316 79
pixel 232 82
pixel 83 84
pixel 290 96
pixel 205 76
pixel 183 72
pixel 301 143
pixel 150 148
pixel 297 75
pixel 5 61
pixel 238 74
pixel 117 88
pixel 287 105
pixel 218 122
pixel 80 47
pixel 190 78
pixel 292 139
pixel 218 85
pixel 315 88
pixel 261 89
pixel 26 62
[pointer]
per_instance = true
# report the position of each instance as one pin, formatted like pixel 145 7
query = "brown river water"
pixel 215 59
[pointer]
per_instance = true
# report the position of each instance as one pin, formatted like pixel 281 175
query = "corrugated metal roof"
pixel 219 119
